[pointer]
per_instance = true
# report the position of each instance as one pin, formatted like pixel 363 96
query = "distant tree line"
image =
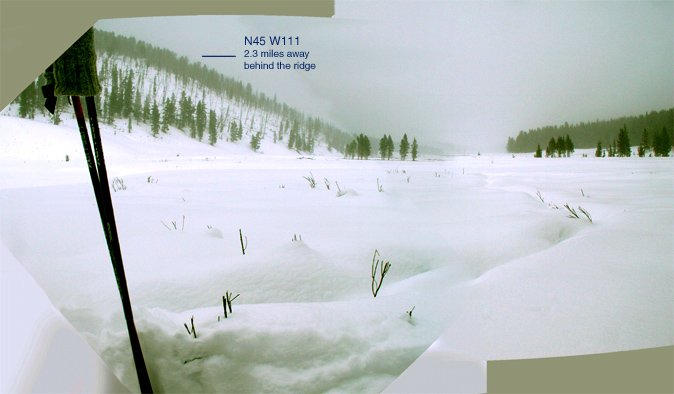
pixel 585 135
pixel 361 148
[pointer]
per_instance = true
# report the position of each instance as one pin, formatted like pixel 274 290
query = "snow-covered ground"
pixel 482 247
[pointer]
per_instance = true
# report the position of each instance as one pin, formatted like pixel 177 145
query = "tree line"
pixel 361 148
pixel 586 134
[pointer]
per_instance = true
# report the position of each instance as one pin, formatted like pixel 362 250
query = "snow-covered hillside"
pixel 149 88
pixel 481 247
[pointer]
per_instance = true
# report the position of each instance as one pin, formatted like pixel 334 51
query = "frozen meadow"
pixel 482 247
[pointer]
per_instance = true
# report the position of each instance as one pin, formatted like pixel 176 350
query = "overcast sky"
pixel 463 73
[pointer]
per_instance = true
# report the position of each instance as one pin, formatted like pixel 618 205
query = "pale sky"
pixel 463 73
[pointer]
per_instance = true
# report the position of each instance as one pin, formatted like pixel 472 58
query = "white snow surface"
pixel 489 267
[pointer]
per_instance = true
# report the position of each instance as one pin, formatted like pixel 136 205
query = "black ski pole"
pixel 98 174
pixel 88 154
pixel 74 74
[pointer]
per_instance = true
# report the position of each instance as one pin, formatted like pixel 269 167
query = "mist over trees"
pixel 586 134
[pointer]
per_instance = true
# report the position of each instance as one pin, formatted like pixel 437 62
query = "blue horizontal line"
pixel 218 55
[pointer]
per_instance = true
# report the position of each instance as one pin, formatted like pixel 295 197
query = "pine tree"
pixel 293 137
pixel 539 152
pixel 570 148
pixel 662 143
pixel 623 143
pixel 169 115
pixel 155 119
pixel 127 95
pixel 137 107
pixel 390 147
pixel 255 141
pixel 612 149
pixel 147 109
pixel 560 146
pixel 233 133
pixel 551 148
pixel 113 96
pixel 643 146
pixel 510 146
pixel 186 119
pixel 383 147
pixel 367 148
pixel 350 150
pixel 404 147
pixel 415 149
pixel 363 147
pixel 27 102
pixel 201 119
pixel 598 152
pixel 212 130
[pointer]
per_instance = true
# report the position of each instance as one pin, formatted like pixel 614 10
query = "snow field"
pixel 488 266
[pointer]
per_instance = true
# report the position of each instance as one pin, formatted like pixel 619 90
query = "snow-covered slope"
pixel 488 265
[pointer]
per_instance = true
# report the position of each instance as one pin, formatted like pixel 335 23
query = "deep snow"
pixel 491 269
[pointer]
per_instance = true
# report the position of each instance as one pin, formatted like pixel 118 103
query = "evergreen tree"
pixel 293 137
pixel 127 95
pixel 643 146
pixel 155 119
pixel 598 152
pixel 612 149
pixel 511 147
pixel 27 101
pixel 539 152
pixel 212 130
pixel 169 115
pixel 137 107
pixel 280 130
pixel 570 148
pixel 186 119
pixel 390 147
pixel 560 146
pixel 147 109
pixel 415 149
pixel 234 133
pixel 662 143
pixel 113 96
pixel 383 147
pixel 551 148
pixel 350 150
pixel 104 107
pixel 255 141
pixel 363 147
pixel 404 147
pixel 201 120
pixel 623 143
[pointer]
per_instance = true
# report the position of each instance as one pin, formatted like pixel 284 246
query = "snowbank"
pixel 481 247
